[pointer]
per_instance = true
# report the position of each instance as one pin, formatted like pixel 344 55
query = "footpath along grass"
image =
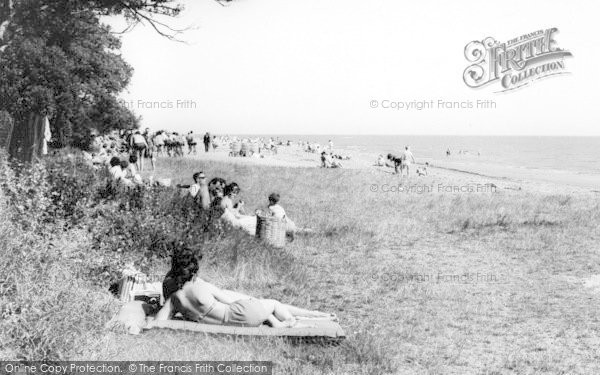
pixel 422 283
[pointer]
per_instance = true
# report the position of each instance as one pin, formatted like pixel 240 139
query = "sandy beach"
pixel 459 173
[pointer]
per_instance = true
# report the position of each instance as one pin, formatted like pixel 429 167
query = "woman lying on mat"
pixel 200 301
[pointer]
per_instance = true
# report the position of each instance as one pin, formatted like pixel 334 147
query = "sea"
pixel 579 155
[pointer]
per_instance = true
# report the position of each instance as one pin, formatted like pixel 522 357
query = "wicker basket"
pixel 271 230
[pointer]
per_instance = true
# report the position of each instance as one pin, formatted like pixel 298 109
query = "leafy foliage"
pixel 62 62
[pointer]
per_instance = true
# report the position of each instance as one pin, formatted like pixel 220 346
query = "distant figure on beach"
pixel 152 152
pixel 180 142
pixel 139 146
pixel 328 162
pixel 324 161
pixel 380 161
pixel 448 152
pixel 207 140
pixel 397 162
pixel 330 143
pixel 115 171
pixel 191 142
pixel 159 142
pixel 407 160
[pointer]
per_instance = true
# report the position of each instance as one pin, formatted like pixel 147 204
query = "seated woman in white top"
pixel 126 179
pixel 233 213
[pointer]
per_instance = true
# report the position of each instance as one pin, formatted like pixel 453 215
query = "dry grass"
pixel 392 267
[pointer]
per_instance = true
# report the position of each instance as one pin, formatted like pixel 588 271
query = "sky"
pixel 336 67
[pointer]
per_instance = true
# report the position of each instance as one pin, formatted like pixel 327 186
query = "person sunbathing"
pixel 200 301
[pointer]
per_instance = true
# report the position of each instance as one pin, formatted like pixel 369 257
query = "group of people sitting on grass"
pixel 125 172
pixel 330 160
pixel 220 199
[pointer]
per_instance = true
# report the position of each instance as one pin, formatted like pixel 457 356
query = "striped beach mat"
pixel 319 330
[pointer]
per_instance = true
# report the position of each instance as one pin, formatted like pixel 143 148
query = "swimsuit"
pixel 243 312
pixel 246 312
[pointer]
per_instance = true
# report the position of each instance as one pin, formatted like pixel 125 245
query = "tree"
pixel 59 60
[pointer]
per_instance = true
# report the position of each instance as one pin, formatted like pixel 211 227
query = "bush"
pixel 48 310
pixel 65 236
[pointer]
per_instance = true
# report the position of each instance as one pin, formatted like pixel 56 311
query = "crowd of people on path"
pixel 147 145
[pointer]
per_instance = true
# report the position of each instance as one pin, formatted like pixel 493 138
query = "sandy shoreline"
pixel 544 181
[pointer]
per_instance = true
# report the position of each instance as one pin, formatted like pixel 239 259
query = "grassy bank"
pixel 428 282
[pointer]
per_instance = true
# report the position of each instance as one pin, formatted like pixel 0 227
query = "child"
pixel 277 211
pixel 198 190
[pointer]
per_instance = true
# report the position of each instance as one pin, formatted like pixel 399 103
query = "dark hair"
pixel 114 161
pixel 232 187
pixel 196 175
pixel 274 198
pixel 389 156
pixel 133 158
pixel 219 181
pixel 184 265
